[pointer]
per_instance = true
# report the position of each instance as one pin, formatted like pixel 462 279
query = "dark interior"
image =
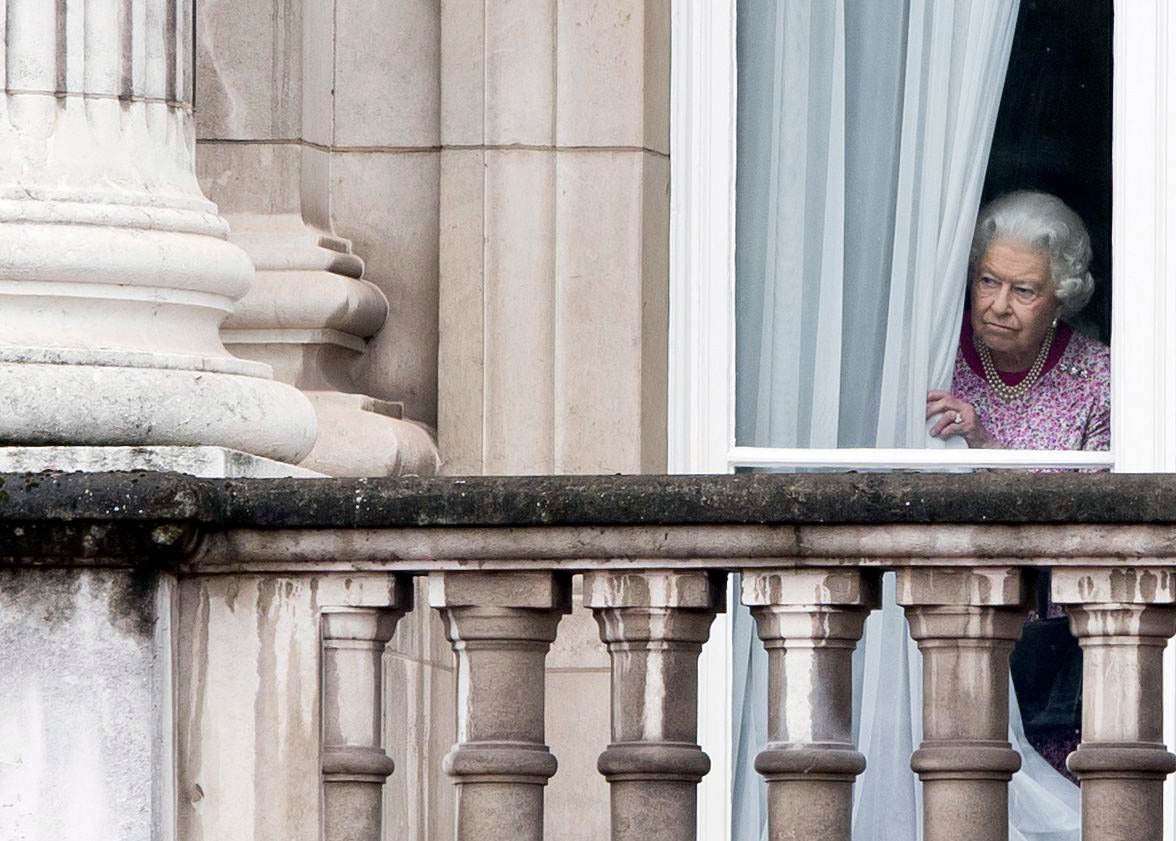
pixel 1053 131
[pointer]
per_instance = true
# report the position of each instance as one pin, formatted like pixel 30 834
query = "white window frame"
pixel 702 316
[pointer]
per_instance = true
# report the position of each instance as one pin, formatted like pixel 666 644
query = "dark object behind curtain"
pixel 1053 131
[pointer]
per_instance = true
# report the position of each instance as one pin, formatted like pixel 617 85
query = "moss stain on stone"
pixel 132 601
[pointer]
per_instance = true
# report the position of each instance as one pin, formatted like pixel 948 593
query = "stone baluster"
pixel 501 626
pixel 115 271
pixel 810 620
pixel 354 764
pixel 654 624
pixel 1122 618
pixel 965 622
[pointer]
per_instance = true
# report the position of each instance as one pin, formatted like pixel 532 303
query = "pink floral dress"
pixel 1068 408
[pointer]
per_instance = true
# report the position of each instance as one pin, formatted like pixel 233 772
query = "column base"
pixel 361 436
pixel 121 399
pixel 203 462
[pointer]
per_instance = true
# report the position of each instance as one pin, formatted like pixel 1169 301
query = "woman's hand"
pixel 959 418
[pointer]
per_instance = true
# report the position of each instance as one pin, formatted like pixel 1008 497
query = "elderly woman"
pixel 1024 379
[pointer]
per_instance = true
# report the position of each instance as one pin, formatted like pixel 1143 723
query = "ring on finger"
pixel 959 419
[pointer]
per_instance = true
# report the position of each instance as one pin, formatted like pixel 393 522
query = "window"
pixel 1143 320
pixel 863 132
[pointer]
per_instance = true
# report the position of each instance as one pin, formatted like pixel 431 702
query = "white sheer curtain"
pixel 864 132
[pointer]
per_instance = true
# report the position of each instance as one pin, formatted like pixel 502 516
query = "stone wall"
pixel 502 168
pixel 554 236
pixel 331 109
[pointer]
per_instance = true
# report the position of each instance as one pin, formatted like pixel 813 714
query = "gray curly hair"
pixel 1045 223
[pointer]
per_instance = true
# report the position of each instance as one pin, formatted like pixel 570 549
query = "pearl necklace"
pixel 1009 393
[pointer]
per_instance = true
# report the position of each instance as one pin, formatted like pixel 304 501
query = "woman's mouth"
pixel 1004 327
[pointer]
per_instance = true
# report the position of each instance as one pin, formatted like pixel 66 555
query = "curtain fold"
pixel 956 57
pixel 864 129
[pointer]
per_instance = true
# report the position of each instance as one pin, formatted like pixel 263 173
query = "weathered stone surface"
pixel 205 462
pixel 354 763
pixel 248 69
pixel 965 624
pixel 654 624
pixel 1123 619
pixel 47 515
pixel 987 499
pixel 85 740
pixel 248 698
pixel 711 500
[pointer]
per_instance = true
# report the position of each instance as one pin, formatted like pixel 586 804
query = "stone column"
pixel 501 626
pixel 654 624
pixel 810 621
pixel 965 622
pixel 115 271
pixel 1122 618
pixel 353 759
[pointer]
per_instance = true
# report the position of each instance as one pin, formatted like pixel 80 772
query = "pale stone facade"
pixel 434 236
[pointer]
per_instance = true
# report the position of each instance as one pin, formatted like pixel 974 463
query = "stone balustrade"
pixel 331 561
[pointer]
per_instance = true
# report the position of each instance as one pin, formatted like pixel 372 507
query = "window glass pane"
pixel 864 139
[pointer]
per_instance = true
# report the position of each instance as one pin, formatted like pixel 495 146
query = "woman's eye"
pixel 989 283
pixel 1025 293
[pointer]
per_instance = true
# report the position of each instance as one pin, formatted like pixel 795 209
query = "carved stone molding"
pixel 1123 619
pixel 654 624
pixel 810 621
pixel 309 316
pixel 965 622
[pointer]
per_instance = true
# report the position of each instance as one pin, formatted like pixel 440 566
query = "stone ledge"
pixel 773 500
pixel 861 499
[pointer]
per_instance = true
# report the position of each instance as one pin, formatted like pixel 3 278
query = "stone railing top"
pixel 869 518
pixel 767 499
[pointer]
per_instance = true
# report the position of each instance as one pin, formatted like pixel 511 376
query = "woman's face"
pixel 1013 301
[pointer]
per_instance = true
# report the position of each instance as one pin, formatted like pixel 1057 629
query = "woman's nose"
pixel 1001 304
